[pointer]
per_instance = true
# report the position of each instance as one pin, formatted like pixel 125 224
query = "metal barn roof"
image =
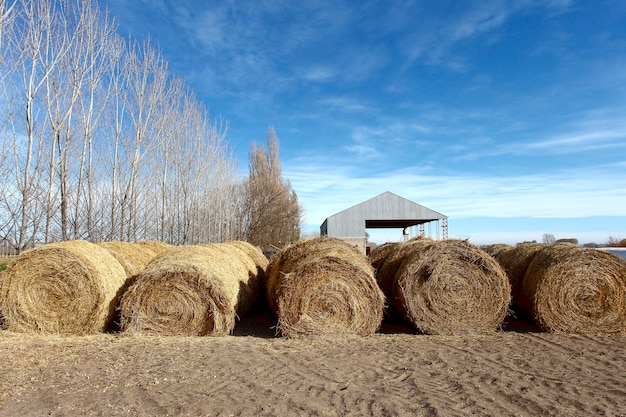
pixel 386 210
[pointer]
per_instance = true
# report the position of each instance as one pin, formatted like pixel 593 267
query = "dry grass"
pixel 570 289
pixel 515 261
pixel 388 263
pixel 284 261
pixel 190 290
pixel 496 248
pixel 133 257
pixel 446 287
pixel 155 246
pixel 67 288
pixel 324 286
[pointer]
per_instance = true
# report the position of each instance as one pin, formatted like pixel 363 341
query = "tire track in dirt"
pixel 503 374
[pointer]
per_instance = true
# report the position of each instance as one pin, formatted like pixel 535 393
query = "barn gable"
pixel 386 210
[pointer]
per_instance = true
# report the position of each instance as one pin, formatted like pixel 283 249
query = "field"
pixel 517 372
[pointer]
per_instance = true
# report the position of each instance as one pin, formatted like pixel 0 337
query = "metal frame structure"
pixel 387 210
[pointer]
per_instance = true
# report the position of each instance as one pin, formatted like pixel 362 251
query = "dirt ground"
pixel 517 372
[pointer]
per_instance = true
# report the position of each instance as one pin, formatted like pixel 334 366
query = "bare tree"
pixel 144 92
pixel 6 19
pixel 271 213
pixel 67 174
pixel 548 238
pixel 99 52
pixel 35 55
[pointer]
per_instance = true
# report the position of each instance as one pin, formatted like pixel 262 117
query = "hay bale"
pixel 328 295
pixel 287 259
pixel 324 286
pixel 379 255
pixel 515 262
pixel 66 288
pixel 133 257
pixel 569 289
pixel 496 248
pixel 155 246
pixel 450 287
pixel 241 251
pixel 254 252
pixel 189 290
pixel 387 267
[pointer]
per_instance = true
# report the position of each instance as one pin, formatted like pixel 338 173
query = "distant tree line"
pixel 614 242
pixel 98 141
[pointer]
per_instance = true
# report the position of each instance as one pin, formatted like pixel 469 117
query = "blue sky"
pixel 509 117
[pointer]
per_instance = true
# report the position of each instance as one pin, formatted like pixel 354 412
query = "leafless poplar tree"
pixel 271 213
pixel 98 141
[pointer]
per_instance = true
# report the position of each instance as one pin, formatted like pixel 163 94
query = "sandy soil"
pixel 517 372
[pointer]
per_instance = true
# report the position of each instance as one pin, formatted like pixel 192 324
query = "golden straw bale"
pixel 250 288
pixel 131 256
pixel 569 289
pixel 495 248
pixel 387 268
pixel 253 252
pixel 515 261
pixel 450 287
pixel 321 286
pixel 155 246
pixel 328 295
pixel 66 288
pixel 287 259
pixel 379 254
pixel 189 290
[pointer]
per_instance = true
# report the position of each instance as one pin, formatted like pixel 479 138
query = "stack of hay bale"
pixel 78 287
pixel 568 289
pixel 443 287
pixel 323 286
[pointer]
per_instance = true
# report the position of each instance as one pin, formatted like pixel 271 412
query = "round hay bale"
pixel 250 288
pixel 133 257
pixel 451 287
pixel 495 248
pixel 569 289
pixel 189 290
pixel 62 288
pixel 323 286
pixel 379 255
pixel 287 259
pixel 387 268
pixel 252 251
pixel 155 246
pixel 328 295
pixel 515 261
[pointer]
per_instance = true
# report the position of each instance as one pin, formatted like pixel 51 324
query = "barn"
pixel 385 211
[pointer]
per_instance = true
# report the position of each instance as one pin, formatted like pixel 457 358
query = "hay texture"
pixel 496 248
pixel 515 261
pixel 190 290
pixel 254 252
pixel 155 246
pixel 62 288
pixel 324 286
pixel 569 289
pixel 447 287
pixel 133 257
pixel 387 264
pixel 379 254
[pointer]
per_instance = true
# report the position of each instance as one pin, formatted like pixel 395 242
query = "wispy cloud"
pixel 437 43
pixel 597 134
